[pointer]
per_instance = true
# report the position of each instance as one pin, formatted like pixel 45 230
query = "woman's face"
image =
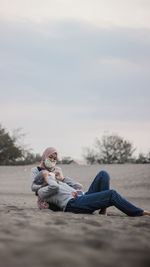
pixel 53 157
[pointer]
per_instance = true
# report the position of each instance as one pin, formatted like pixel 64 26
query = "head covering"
pixel 48 151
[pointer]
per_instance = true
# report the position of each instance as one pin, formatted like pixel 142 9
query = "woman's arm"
pixel 33 174
pixel 39 178
pixel 47 178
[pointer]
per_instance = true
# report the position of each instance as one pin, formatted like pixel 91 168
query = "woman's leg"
pixel 101 200
pixel 100 183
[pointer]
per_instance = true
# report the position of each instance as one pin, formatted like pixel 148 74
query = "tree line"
pixel 113 149
pixel 109 150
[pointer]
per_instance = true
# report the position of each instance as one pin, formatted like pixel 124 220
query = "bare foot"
pixel 103 212
pixel 145 212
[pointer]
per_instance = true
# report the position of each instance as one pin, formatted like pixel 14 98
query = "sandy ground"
pixel 34 238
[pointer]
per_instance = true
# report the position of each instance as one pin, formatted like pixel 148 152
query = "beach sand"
pixel 42 238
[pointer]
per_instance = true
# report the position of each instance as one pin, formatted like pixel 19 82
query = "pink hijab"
pixel 48 151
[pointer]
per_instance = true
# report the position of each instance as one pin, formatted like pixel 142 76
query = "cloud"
pixel 100 13
pixel 74 64
pixel 66 82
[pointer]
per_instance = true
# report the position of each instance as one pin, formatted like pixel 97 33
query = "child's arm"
pixel 49 179
pixel 73 183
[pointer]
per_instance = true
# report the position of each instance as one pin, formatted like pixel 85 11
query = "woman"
pixel 54 190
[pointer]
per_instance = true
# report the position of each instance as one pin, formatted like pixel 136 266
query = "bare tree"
pixel 89 155
pixel 111 149
pixel 114 149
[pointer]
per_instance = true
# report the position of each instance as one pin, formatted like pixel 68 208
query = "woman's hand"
pixel 46 174
pixel 59 176
pixel 44 184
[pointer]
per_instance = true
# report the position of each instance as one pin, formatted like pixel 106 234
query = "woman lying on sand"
pixel 59 193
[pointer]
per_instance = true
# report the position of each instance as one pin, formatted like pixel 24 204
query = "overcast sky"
pixel 72 70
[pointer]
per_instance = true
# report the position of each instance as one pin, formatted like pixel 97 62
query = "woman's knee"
pixel 113 194
pixel 104 174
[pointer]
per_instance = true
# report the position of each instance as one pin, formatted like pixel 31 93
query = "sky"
pixel 74 70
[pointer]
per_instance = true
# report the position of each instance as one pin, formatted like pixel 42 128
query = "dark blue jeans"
pixel 99 196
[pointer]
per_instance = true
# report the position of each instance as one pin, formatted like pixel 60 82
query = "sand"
pixel 34 238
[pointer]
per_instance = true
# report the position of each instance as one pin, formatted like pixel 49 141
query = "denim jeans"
pixel 99 196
